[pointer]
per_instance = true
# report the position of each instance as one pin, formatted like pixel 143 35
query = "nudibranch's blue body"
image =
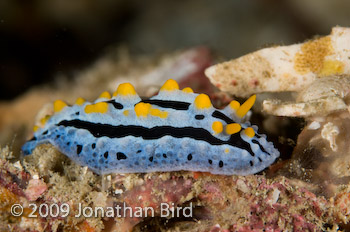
pixel 174 130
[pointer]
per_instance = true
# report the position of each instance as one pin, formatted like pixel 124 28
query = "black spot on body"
pixel 164 155
pixel 151 158
pixel 105 154
pixel 121 156
pixel 58 136
pixel 199 116
pixel 259 159
pixel 45 132
pixel 189 157
pixel 93 145
pixel 221 164
pixel 251 163
pixel 139 151
pixel 79 149
pixel 210 161
pixel 68 143
pixel 77 113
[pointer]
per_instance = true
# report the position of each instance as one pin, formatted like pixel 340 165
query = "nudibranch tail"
pixel 174 130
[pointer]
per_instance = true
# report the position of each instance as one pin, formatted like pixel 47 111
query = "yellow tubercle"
pixel 155 112
pixel 126 112
pixel 227 150
pixel 145 109
pixel 202 101
pixel 79 101
pixel 249 132
pixel 170 85
pixel 217 127
pixel 163 114
pixel 142 109
pixel 246 106
pixel 159 113
pixel 100 107
pixel 58 105
pixel 187 90
pixel 35 128
pixel 235 105
pixel 233 128
pixel 44 119
pixel 125 89
pixel 105 94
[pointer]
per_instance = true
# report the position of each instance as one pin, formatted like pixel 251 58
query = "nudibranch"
pixel 172 131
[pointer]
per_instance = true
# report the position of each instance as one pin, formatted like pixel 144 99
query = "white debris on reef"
pixel 318 70
pixel 284 68
pixel 314 125
pixel 330 132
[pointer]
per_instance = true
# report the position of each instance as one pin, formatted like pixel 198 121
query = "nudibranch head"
pixel 174 130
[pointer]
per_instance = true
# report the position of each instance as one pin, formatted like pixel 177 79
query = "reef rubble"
pixel 306 190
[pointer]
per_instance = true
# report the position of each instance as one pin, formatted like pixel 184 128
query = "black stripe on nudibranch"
pixel 237 141
pixel 177 105
pixel 261 147
pixel 120 131
pixel 115 104
pixel 219 115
